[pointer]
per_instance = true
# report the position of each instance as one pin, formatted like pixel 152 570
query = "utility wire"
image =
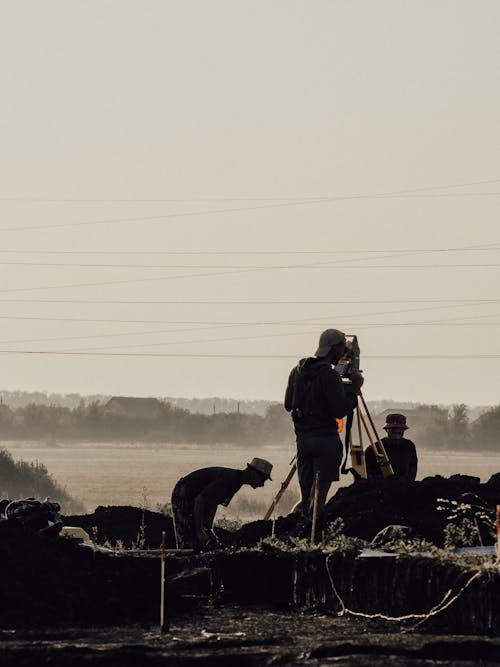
pixel 210 274
pixel 239 356
pixel 236 209
pixel 226 198
pixel 228 339
pixel 306 321
pixel 224 323
pixel 253 302
pixel 258 267
pixel 485 248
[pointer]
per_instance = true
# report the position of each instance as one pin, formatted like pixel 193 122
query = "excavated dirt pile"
pixel 48 580
pixel 126 526
pixel 367 506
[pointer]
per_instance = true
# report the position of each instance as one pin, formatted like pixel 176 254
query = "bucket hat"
pixel 328 338
pixel 262 466
pixel 395 420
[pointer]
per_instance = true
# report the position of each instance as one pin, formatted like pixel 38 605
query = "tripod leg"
pixel 358 466
pixel 379 451
pixel 383 460
pixel 360 432
pixel 283 488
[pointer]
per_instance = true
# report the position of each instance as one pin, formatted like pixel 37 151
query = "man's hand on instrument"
pixel 357 380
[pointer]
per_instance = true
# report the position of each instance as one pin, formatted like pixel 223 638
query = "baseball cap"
pixel 328 338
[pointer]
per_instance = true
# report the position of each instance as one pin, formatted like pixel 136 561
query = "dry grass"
pixel 108 474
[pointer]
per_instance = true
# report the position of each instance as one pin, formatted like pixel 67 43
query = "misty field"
pixel 144 475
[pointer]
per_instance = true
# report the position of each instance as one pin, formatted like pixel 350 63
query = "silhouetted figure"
pixel 317 397
pixel 400 451
pixel 195 499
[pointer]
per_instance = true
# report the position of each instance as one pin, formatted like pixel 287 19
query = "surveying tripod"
pixel 358 465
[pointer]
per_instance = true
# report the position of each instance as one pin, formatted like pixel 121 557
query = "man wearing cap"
pixel 195 499
pixel 400 451
pixel 317 397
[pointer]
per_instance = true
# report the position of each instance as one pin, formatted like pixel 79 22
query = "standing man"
pixel 400 451
pixel 195 499
pixel 317 397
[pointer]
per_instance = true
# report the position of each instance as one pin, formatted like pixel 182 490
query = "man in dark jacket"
pixel 400 451
pixel 195 499
pixel 316 396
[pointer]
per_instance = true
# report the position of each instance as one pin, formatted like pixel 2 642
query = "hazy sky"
pixel 186 179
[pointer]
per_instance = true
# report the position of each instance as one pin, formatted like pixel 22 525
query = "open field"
pixel 132 474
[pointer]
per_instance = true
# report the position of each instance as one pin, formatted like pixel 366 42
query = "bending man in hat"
pixel 195 499
pixel 317 397
pixel 400 451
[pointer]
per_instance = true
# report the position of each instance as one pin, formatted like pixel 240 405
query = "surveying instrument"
pixel 347 365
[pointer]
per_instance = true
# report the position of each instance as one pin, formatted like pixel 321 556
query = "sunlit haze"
pixel 191 192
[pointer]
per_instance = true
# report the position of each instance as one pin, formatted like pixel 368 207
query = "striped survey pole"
pixel 163 617
pixel 498 533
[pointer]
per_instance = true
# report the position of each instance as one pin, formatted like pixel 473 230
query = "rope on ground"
pixel 446 602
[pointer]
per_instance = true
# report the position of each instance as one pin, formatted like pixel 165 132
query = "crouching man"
pixel 195 499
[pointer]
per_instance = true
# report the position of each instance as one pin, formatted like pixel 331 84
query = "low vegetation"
pixel 22 479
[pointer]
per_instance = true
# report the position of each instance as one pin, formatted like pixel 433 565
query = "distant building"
pixel 417 418
pixel 135 408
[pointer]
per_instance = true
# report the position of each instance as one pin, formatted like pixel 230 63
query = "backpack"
pixel 304 403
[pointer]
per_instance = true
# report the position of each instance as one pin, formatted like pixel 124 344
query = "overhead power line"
pixel 250 302
pixel 210 326
pixel 306 321
pixel 259 267
pixel 225 197
pixel 403 193
pixel 341 251
pixel 239 270
pixel 211 273
pixel 225 323
pixel 239 356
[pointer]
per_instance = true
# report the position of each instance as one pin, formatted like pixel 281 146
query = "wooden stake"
pixel 315 507
pixel 163 621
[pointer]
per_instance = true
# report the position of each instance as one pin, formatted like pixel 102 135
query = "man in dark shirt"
pixel 400 451
pixel 317 397
pixel 195 499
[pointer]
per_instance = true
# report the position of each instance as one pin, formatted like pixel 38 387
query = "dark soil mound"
pixel 128 526
pixel 368 506
pixel 49 580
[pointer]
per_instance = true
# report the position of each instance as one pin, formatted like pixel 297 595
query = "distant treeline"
pixel 96 422
pixel 207 405
pixel 430 426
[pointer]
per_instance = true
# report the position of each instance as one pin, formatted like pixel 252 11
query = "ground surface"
pixel 70 590
pixel 141 474
pixel 239 636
